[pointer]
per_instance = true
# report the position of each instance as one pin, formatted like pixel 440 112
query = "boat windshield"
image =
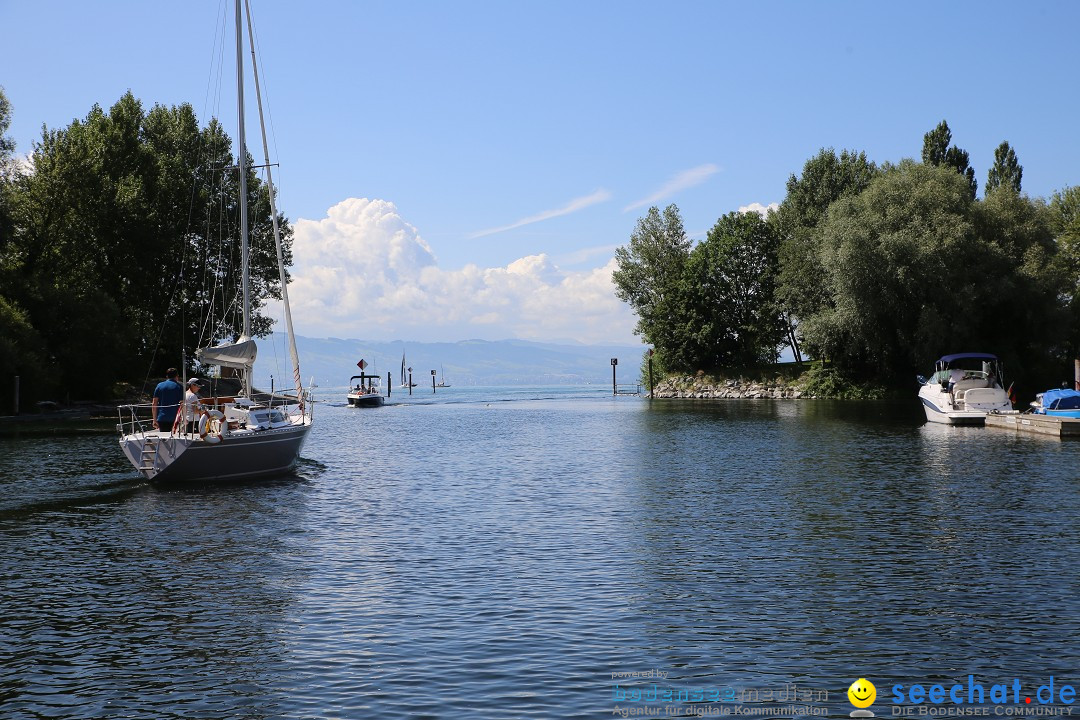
pixel 968 367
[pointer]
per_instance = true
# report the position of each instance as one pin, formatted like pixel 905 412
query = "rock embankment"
pixel 708 388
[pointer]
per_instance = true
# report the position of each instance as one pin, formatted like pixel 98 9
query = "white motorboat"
pixel 964 389
pixel 241 437
pixel 367 392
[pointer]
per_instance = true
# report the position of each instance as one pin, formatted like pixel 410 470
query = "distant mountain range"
pixel 332 361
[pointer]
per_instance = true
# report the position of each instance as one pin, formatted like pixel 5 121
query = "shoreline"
pixel 701 388
pixel 93 418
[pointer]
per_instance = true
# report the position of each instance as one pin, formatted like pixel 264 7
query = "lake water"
pixel 504 553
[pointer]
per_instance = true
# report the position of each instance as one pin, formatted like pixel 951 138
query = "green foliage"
pixel 650 274
pixel 710 307
pixel 878 270
pixel 730 296
pixel 125 238
pixel 659 368
pixel 825 179
pixel 916 268
pixel 22 353
pixel 936 151
pixel 7 144
pixel 1006 170
pixel 830 382
pixel 1064 212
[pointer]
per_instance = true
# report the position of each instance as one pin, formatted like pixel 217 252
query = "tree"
pixel 1027 307
pixel 7 179
pixel 649 277
pixel 1006 170
pixel 120 231
pixel 730 296
pixel 916 268
pixel 1065 224
pixel 7 144
pixel 21 349
pixel 936 151
pixel 826 178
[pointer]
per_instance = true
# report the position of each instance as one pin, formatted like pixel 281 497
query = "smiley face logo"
pixel 862 693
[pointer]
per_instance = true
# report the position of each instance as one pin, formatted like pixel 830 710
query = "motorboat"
pixel 964 389
pixel 1059 402
pixel 246 435
pixel 364 391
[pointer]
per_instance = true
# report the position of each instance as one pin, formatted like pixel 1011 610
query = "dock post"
pixel 432 382
pixel 389 384
pixel 614 385
pixel 1076 374
pixel 650 375
pixel 410 382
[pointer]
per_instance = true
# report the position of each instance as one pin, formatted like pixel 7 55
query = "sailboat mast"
pixel 274 218
pixel 241 164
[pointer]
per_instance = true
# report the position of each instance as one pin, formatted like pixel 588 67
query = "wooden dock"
pixel 1036 424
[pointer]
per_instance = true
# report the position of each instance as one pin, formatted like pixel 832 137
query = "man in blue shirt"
pixel 167 398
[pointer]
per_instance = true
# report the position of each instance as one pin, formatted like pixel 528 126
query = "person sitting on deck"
pixel 192 407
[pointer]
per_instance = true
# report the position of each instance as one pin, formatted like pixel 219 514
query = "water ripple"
pixel 479 558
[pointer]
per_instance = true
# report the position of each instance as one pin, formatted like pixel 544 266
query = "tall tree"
pixel 127 238
pixel 730 293
pixel 650 274
pixel 1065 224
pixel 1006 170
pixel 7 173
pixel 916 269
pixel 22 352
pixel 936 151
pixel 826 178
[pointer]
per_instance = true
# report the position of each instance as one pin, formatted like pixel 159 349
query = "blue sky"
pixel 459 170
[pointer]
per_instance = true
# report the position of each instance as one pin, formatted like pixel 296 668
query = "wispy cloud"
pixel 574 205
pixel 682 181
pixel 585 255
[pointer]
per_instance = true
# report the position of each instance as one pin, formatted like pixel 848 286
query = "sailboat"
pixel 405 377
pixel 246 436
pixel 442 378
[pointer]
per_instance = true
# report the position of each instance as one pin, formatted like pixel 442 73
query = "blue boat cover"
pixel 1061 399
pixel 962 356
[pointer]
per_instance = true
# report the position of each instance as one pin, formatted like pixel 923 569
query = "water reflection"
pixel 492 559
pixel 115 590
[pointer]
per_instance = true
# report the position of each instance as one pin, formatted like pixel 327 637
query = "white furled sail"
pixel 240 354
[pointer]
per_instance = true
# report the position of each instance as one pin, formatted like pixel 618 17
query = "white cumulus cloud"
pixel 762 210
pixel 364 271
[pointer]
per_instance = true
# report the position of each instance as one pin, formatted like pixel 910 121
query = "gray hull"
pixel 239 456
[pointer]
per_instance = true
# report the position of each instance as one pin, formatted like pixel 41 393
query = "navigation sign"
pixel 361 364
